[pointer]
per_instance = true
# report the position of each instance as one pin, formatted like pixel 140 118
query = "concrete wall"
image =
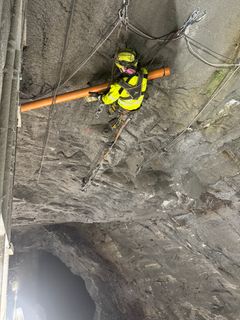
pixel 11 26
pixel 5 14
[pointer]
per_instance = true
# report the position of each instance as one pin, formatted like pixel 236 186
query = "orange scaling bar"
pixel 81 93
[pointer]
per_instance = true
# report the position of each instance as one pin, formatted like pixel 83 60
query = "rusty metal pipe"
pixel 78 94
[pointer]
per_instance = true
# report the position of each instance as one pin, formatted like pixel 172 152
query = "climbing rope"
pixel 196 16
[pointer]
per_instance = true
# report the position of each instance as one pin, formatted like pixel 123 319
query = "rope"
pixel 123 19
pixel 106 152
pixel 169 39
pixel 207 49
pixel 115 55
pixel 199 57
pixel 65 45
pixel 145 35
pixel 196 16
pixel 209 52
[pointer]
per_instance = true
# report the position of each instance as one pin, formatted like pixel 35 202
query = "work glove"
pixel 96 95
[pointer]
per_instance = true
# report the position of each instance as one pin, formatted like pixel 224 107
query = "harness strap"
pixel 133 91
pixel 121 90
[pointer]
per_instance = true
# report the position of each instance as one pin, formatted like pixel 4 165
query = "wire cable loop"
pixel 199 57
pixel 196 16
pixel 203 47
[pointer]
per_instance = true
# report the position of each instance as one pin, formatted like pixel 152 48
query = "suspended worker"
pixel 128 91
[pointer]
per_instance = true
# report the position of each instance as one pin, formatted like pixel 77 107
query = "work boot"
pixel 115 122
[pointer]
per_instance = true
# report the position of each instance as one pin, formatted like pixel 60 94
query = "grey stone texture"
pixel 156 234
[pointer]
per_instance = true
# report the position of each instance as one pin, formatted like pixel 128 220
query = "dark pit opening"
pixel 48 290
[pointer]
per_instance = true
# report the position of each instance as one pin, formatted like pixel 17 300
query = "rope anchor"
pixel 123 12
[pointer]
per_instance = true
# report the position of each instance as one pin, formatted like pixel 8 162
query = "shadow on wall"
pixel 155 18
pixel 49 291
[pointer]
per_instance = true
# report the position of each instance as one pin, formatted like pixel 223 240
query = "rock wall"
pixel 155 235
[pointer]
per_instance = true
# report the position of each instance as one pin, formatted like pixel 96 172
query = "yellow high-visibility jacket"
pixel 129 91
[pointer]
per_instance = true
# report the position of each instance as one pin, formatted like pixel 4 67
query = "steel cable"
pixel 205 47
pixel 210 52
pixel 143 34
pixel 199 57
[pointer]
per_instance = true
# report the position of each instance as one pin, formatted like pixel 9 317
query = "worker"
pixel 128 91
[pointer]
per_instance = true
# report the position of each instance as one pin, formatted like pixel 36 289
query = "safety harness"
pixel 134 91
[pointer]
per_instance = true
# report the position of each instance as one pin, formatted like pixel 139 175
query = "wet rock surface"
pixel 155 234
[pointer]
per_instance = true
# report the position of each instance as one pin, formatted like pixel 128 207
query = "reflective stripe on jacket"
pixel 120 95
